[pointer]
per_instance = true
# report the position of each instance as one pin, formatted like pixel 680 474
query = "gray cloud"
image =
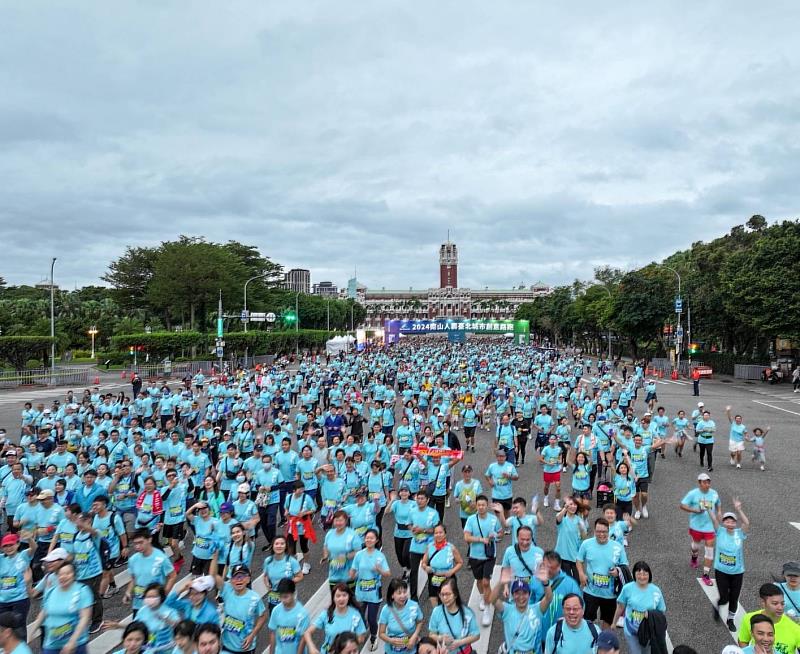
pixel 359 133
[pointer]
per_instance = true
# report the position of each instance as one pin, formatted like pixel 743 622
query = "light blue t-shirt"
pixel 409 615
pixel 426 519
pixel 339 546
pixel 598 560
pixel 277 569
pixel 729 551
pixel 12 581
pixel 487 527
pixel 62 608
pixel 522 630
pixel 502 489
pixel 573 641
pixel 737 433
pixel 368 581
pixel 288 625
pixel 147 569
pixel 568 537
pixel 350 620
pixel 552 458
pixel 158 623
pixel 241 613
pixel 637 601
pixel 695 499
pixel 455 625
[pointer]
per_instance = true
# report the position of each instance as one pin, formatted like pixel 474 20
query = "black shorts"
pixel 433 590
pixel 481 568
pixel 643 484
pixel 506 504
pixel 199 567
pixel 174 532
pixel 606 606
pixel 109 565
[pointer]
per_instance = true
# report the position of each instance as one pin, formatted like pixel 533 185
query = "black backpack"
pixel 558 636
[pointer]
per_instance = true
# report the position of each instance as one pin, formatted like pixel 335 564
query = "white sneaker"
pixel 447 503
pixel 563 468
pixel 637 515
pixel 732 462
pixel 645 514
pixel 739 466
pixel 487 619
pixel 762 467
pixel 621 621
pixel 306 568
pixel 547 501
pixel 557 505
pixel 482 605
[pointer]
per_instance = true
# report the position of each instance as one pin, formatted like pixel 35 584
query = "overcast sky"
pixel 548 137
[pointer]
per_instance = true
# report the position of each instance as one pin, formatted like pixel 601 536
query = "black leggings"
pixel 291 544
pixel 401 550
pixel 730 587
pixel 707 449
pixel 522 444
pixel 369 611
pixel 571 568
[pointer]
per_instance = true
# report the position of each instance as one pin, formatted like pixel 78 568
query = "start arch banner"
pixel 519 328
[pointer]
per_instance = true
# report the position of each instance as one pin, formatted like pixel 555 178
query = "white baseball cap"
pixel 58 554
pixel 243 488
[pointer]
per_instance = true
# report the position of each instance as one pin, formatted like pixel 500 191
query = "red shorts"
pixel 552 477
pixel 697 536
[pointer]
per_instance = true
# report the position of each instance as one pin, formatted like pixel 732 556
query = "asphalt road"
pixel 769 499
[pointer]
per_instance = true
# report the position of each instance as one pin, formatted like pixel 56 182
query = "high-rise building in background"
pixel 326 289
pixel 297 279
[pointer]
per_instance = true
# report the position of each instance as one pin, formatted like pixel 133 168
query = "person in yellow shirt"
pixel 787 633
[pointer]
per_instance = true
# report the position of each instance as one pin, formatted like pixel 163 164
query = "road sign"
pixel 271 317
pixel 245 315
pixel 220 352
pixel 680 331
pixel 258 317
pixel 678 305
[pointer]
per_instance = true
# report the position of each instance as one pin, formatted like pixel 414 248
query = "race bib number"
pixel 62 632
pixel 202 543
pixel 368 585
pixel 401 648
pixel 81 557
pixel 233 625
pixel 437 580
pixel 601 581
pixel 420 537
pixel 330 503
pixel 727 560
pixel 273 597
pixel 175 510
pixel 287 634
pixel 138 591
pixel 7 583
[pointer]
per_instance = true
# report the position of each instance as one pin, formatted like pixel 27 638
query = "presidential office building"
pixel 446 301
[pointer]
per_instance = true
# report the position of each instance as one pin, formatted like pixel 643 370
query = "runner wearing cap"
pixel 193 603
pixel 48 516
pixel 15 575
pixel 608 643
pixel 244 611
pixel 466 491
pixel 522 621
pixel 729 559
pixel 698 502
pixel 791 589
pixel 704 431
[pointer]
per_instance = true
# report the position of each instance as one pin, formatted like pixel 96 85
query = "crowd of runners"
pixel 337 463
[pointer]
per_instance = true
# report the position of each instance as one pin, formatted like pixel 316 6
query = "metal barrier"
pixel 45 377
pixel 747 371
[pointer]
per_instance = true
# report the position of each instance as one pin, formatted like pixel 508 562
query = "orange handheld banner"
pixel 423 450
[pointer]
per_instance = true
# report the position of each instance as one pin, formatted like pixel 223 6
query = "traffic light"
pixel 131 350
pixel 290 317
pixel 694 348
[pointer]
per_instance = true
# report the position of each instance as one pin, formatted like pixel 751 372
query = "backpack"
pixel 558 636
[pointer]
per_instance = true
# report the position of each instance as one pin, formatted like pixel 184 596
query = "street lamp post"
pixel 610 297
pixel 297 326
pixel 678 337
pixel 52 325
pixel 246 315
pixel 328 302
pixel 93 333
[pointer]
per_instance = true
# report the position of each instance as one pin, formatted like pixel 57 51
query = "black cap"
pixel 240 569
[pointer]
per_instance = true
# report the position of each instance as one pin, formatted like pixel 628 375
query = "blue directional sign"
pixel 678 305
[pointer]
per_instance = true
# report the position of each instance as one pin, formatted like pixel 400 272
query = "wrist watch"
pixel 546 584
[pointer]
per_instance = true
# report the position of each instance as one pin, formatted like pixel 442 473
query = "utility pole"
pixel 297 326
pixel 220 330
pixel 52 326
pixel 328 302
pixel 679 311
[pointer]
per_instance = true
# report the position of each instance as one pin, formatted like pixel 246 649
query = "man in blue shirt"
pixel 597 563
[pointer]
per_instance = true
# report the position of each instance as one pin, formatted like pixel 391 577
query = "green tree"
pixel 130 276
pixel 642 306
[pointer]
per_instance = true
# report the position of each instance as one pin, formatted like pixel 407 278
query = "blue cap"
pixel 520 585
pixel 226 507
pixel 607 640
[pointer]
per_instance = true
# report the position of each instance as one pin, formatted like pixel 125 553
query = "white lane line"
pixel 772 406
pixel 796 525
pixel 482 645
pixel 712 594
pixel 318 602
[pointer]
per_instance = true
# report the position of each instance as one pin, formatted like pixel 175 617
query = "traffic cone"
pixel 674 374
pixel 122 376
pixel 97 381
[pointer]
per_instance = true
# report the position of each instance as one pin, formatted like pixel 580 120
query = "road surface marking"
pixel 317 603
pixel 482 645
pixel 712 594
pixel 796 525
pixel 772 406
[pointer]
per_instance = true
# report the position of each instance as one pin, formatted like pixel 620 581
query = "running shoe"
pixel 120 562
pixel 373 644
pixel 109 593
pixel 482 605
pixel 94 629
pixel 762 467
pixel 715 613
pixel 447 503
pixel 710 469
pixel 557 505
pixel 547 500
pixel 487 619
pixel 732 462
pixel 693 562
pixel 730 624
pixel 645 514
pixel 738 466
pixel 637 515
pixel 707 580
pixel 306 568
